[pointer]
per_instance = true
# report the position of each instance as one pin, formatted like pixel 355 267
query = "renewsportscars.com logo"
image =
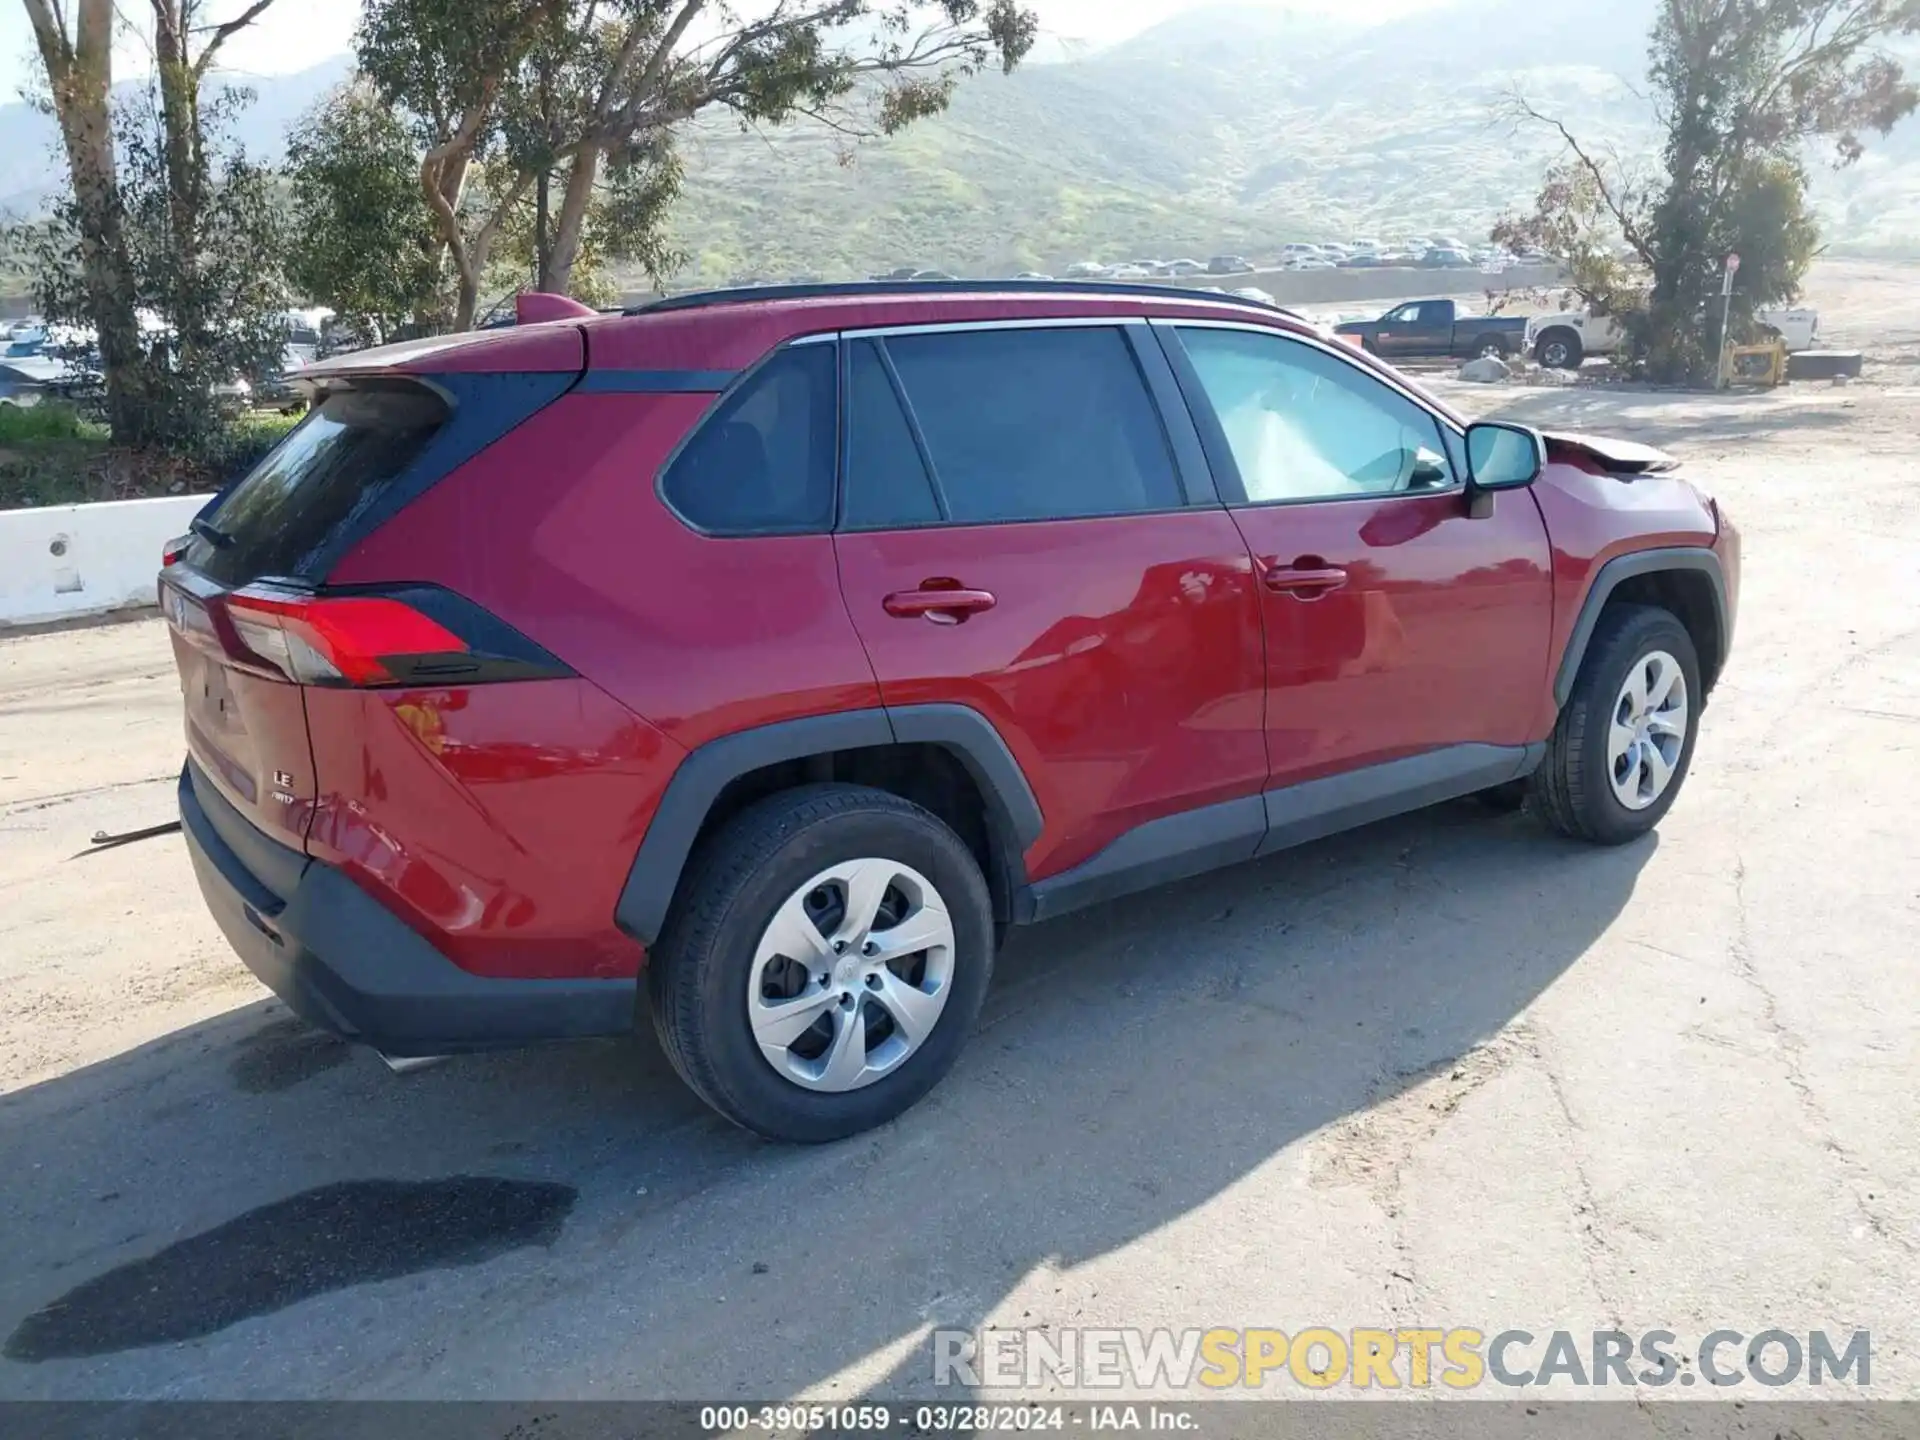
pixel 1418 1358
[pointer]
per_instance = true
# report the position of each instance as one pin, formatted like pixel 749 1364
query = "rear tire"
pixel 1490 347
pixel 1613 768
pixel 725 988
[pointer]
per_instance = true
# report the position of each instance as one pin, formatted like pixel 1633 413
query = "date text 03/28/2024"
pixel 967 1418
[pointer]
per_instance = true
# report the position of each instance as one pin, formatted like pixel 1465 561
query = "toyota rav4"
pixel 775 651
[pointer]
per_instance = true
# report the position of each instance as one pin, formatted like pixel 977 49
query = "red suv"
pixel 783 647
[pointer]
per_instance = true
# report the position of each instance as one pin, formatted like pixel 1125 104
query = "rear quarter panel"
pixel 497 820
pixel 501 821
pixel 558 531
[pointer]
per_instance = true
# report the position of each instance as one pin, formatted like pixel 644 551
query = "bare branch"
pixel 826 119
pixel 1629 230
pixel 663 52
pixel 220 34
pixel 469 128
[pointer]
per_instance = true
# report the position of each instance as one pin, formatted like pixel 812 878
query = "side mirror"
pixel 1504 457
pixel 1500 457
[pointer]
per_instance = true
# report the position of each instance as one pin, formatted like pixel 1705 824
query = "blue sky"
pixel 296 34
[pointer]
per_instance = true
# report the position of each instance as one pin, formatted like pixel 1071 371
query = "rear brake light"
pixel 344 640
pixel 171 552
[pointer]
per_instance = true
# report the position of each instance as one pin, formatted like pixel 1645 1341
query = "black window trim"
pixel 1185 450
pixel 1213 435
pixel 742 378
pixel 912 417
pixel 1176 421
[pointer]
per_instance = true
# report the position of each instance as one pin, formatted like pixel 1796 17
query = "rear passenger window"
pixel 763 462
pixel 1029 425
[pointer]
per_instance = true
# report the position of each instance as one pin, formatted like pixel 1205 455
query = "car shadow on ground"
pixel 1133 1063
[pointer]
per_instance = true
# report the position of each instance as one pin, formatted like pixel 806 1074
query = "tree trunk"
pixel 80 82
pixel 543 186
pixel 179 118
pixel 557 273
pixel 180 125
pixel 443 180
pixel 107 273
pixel 542 221
pixel 468 302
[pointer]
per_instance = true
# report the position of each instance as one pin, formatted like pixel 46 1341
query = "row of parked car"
pixel 1420 252
pixel 1559 340
pixel 27 374
pixel 40 362
pixel 1445 252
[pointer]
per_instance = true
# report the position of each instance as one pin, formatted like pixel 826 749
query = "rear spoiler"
pixel 1619 457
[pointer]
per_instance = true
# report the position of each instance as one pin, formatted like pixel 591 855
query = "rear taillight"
pixel 391 635
pixel 349 640
pixel 171 552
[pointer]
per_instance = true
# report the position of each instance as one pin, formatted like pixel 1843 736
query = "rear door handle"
pixel 1308 583
pixel 941 605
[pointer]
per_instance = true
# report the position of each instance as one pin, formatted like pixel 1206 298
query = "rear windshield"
pixel 280 519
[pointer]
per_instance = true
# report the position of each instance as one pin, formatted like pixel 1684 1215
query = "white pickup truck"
pixel 1561 341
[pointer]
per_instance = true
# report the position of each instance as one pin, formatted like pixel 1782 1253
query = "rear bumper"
pixel 345 963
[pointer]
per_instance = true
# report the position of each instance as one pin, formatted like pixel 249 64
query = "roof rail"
pixel 699 299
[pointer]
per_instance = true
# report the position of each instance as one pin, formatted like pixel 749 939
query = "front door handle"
pixel 943 605
pixel 1305 582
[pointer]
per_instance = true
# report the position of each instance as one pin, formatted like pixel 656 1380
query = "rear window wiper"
pixel 210 532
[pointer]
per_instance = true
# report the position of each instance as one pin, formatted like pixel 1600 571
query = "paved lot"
pixel 1445 1071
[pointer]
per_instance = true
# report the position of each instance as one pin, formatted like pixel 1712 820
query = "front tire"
pixel 824 964
pixel 1559 349
pixel 1621 748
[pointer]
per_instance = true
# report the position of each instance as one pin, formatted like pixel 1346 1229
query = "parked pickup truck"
pixel 1562 341
pixel 1437 327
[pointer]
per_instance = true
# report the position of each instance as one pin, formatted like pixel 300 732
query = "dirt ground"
pixel 1448 1070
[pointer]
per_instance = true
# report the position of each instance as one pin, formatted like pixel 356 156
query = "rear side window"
pixel 762 463
pixel 284 515
pixel 1032 424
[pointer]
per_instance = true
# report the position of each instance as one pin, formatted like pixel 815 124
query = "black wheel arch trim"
pixel 707 770
pixel 1625 567
pixel 976 743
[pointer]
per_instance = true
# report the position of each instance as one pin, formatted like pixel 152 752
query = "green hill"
pixel 1222 130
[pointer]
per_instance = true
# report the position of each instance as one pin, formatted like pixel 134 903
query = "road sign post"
pixel 1726 319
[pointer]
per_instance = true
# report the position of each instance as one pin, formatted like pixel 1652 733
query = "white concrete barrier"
pixel 64 561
